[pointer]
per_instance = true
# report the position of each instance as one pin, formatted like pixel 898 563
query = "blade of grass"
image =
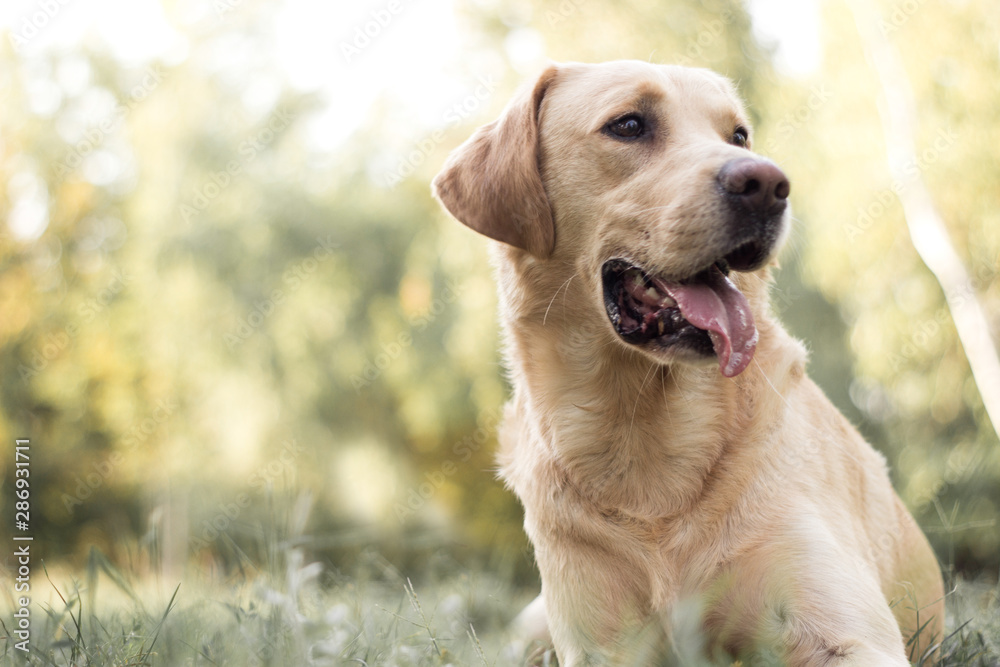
pixel 166 612
pixel 101 561
pixel 80 641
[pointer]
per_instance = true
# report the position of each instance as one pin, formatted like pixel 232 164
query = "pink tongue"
pixel 717 307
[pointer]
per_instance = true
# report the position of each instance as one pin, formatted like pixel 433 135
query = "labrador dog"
pixel 676 465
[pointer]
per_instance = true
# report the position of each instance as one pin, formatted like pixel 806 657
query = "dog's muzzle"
pixel 706 313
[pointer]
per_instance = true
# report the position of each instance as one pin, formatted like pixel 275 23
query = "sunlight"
pixel 352 55
pixel 792 27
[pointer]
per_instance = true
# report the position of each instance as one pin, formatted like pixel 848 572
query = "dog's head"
pixel 640 179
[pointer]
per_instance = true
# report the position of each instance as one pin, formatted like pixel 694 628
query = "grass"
pixel 376 617
pixel 974 627
pixel 297 613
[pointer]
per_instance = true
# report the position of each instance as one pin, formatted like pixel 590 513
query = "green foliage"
pixel 291 612
pixel 452 615
pixel 196 332
pixel 217 313
pixel 908 381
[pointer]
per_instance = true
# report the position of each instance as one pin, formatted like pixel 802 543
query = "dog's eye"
pixel 740 137
pixel 627 127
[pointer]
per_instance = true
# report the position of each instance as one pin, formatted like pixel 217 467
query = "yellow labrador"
pixel 675 463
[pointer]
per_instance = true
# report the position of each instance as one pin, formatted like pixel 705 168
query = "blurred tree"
pixel 911 383
pixel 201 313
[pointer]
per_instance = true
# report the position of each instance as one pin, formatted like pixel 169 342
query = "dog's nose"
pixel 758 183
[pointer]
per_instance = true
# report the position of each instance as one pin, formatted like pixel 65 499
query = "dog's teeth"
pixel 653 294
pixel 668 302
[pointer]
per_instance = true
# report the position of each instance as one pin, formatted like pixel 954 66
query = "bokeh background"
pixel 224 285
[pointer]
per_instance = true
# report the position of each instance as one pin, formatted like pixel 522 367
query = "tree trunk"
pixel 928 232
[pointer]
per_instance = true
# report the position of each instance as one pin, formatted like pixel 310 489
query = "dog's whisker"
pixel 679 381
pixel 638 398
pixel 666 399
pixel 552 300
pixel 788 405
pixel 654 208
pixel 771 385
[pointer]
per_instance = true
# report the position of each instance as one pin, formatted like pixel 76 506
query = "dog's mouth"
pixel 704 313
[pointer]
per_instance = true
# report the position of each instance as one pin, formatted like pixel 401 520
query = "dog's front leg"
pixel 596 598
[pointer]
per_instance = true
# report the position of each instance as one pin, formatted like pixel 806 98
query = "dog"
pixel 676 465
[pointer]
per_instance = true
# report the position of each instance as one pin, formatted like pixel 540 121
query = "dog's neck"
pixel 633 435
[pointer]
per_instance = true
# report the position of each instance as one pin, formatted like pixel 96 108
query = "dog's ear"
pixel 491 183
